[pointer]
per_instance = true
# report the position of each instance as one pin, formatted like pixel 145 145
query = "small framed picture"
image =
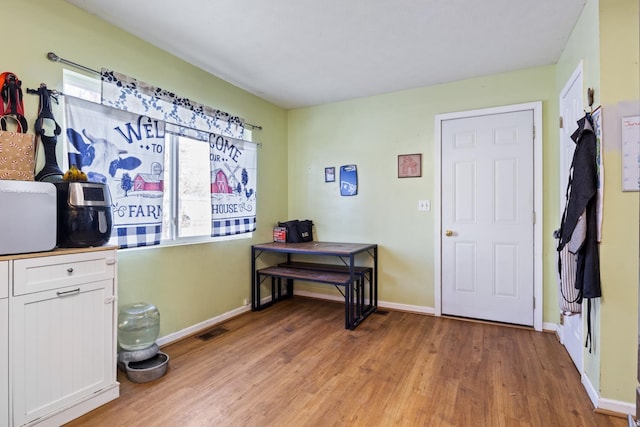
pixel 409 165
pixel 329 174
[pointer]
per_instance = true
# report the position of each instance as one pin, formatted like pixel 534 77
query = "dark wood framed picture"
pixel 329 174
pixel 409 165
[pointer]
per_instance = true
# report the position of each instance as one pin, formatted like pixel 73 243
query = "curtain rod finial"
pixel 53 57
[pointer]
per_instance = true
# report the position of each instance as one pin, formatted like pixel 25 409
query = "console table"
pixel 346 275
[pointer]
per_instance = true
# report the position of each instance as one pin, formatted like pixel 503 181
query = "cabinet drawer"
pixel 41 274
pixel 4 279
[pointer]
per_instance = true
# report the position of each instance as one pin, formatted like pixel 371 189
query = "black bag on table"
pixel 298 231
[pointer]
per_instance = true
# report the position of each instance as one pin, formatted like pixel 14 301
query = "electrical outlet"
pixel 424 205
pixel 245 301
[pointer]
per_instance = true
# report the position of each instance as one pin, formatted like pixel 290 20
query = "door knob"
pixel 448 233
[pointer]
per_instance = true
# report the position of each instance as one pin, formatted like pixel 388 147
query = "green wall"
pixel 371 132
pixel 189 284
pixel 620 96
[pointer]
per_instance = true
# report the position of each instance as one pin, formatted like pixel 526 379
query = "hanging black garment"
pixel 579 227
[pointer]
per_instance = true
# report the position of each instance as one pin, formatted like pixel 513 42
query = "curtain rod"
pixel 55 58
pixel 55 93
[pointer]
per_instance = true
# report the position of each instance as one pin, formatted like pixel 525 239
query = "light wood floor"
pixel 293 364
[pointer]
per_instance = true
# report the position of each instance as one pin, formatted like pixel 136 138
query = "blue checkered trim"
pixel 131 237
pixel 230 227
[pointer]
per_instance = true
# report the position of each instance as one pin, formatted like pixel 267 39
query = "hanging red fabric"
pixel 11 103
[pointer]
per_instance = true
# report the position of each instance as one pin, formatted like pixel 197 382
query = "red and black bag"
pixel 298 231
pixel 11 105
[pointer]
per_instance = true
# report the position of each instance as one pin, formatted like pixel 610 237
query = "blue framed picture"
pixel 348 180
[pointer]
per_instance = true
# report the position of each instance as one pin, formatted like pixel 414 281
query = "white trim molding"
pixel 605 404
pixel 381 304
pixel 191 330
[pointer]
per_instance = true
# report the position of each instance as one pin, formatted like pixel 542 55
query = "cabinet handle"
pixel 70 270
pixel 67 293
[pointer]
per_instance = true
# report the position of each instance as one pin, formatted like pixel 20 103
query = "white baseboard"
pixel 381 304
pixel 591 391
pixel 168 339
pixel 317 295
pixel 617 406
pixel 407 307
pixel 552 327
pixel 605 404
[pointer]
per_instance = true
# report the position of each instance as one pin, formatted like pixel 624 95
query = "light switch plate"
pixel 424 205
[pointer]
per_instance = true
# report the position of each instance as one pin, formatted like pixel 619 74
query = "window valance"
pixel 182 115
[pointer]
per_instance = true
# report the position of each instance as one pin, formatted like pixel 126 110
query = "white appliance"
pixel 28 216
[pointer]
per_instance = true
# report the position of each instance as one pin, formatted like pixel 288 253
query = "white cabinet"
pixel 63 316
pixel 4 343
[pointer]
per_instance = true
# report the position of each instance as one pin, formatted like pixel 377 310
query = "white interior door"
pixel 571 110
pixel 488 217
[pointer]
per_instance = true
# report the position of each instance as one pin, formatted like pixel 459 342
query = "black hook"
pixel 52 92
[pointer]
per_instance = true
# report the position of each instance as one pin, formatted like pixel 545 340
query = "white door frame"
pixel 577 77
pixel 537 196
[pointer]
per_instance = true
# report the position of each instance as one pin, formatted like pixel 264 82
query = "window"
pixel 81 86
pixel 187 177
pixel 187 191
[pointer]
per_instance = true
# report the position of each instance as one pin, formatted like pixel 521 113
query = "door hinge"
pixel 534 132
pixel 561 123
pixel 533 217
pixel 534 303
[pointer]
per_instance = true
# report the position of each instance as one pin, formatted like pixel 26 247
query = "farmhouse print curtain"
pixel 233 185
pixel 183 116
pixel 126 152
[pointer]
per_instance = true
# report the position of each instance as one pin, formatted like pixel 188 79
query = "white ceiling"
pixel 298 53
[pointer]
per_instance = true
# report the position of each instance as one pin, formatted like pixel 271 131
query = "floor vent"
pixel 212 333
pixel 381 312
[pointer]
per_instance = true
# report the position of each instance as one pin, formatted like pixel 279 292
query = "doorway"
pixel 489 238
pixel 571 110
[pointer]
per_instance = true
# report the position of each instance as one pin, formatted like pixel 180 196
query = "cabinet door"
pixel 4 279
pixel 4 343
pixel 4 362
pixel 62 347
